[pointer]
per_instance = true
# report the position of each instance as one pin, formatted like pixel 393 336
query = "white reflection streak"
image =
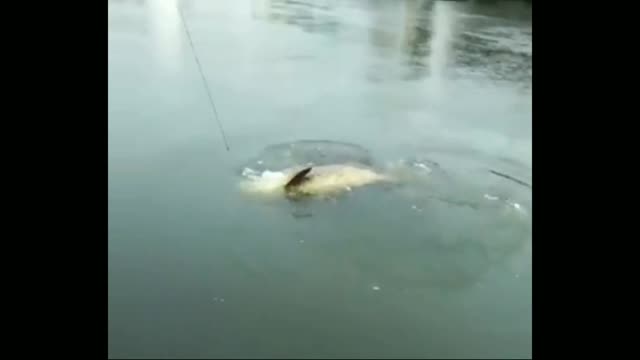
pixel 444 19
pixel 166 32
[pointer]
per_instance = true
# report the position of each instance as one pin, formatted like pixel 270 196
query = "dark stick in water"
pixel 510 178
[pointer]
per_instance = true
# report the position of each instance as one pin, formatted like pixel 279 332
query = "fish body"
pixel 321 180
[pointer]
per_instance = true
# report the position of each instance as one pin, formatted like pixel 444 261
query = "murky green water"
pixel 437 269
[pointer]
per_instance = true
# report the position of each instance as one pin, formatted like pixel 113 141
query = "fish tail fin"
pixel 299 178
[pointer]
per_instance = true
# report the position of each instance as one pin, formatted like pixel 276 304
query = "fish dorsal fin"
pixel 298 178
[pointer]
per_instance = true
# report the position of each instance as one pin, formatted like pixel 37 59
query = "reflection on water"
pixel 310 16
pixel 167 32
pixel 476 38
pixel 402 36
pixel 417 37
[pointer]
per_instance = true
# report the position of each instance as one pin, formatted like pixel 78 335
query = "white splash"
pixel 422 166
pixel 517 207
pixel 266 182
pixel 491 197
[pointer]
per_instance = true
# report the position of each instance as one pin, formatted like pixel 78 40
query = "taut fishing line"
pixel 204 80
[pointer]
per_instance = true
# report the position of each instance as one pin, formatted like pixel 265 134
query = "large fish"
pixel 324 180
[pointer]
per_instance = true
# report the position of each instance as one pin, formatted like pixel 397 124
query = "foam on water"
pixel 265 182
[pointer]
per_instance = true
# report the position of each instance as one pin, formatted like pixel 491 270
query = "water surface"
pixel 439 270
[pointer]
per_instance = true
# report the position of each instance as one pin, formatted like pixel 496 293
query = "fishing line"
pixel 204 80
